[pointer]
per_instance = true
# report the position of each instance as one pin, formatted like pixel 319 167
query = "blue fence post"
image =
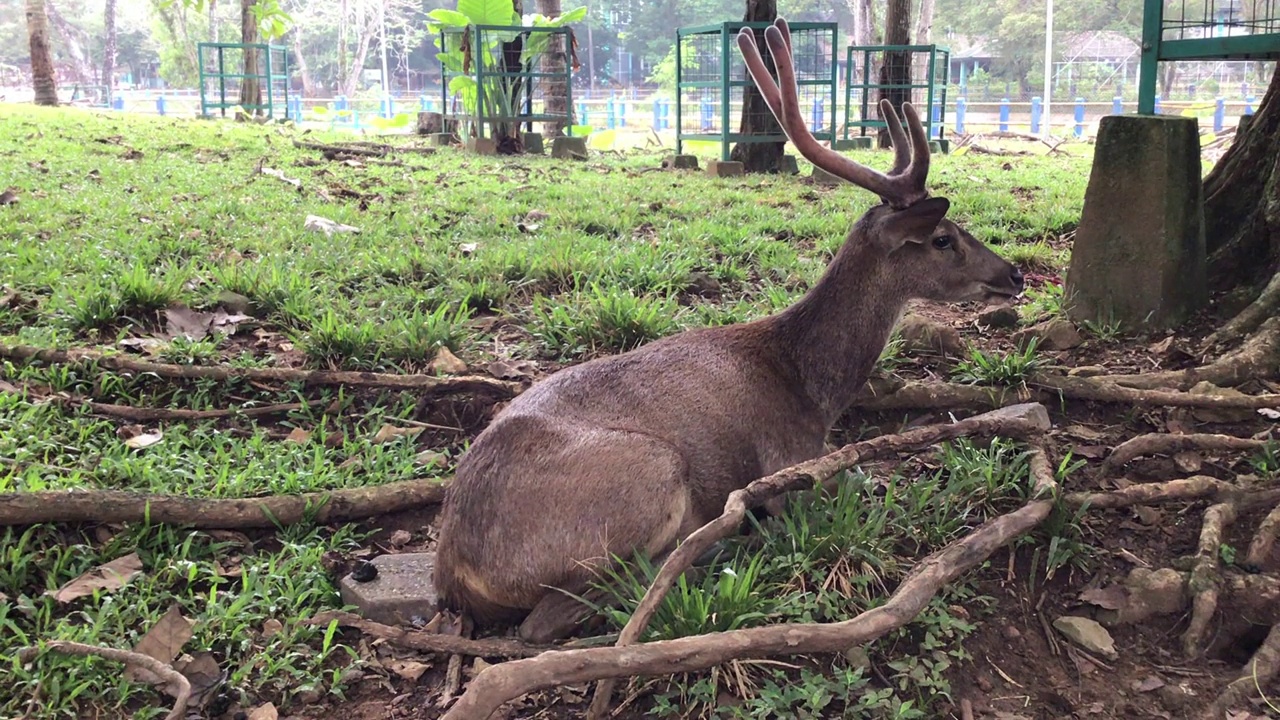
pixel 117 102
pixel 355 119
pixel 1004 115
pixel 707 115
pixel 1248 104
pixel 1157 106
pixel 388 106
pixel 295 108
pixel 622 113
pixel 1037 109
pixel 160 104
pixel 935 119
pixel 611 118
pixel 1117 105
pixel 961 105
pixel 1079 117
pixel 1219 114
pixel 666 114
pixel 815 115
pixel 657 114
pixel 340 102
pixel 422 104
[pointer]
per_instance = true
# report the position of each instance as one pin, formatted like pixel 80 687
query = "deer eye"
pixel 943 242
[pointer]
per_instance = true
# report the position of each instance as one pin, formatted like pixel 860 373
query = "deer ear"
pixel 915 223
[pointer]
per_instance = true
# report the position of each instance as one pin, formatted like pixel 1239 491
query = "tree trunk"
pixel 109 48
pixel 74 39
pixel 343 10
pixel 43 79
pixel 896 69
pixel 250 87
pixel 213 20
pixel 554 60
pixel 304 70
pixel 757 118
pixel 924 24
pixel 505 132
pixel 1242 200
pixel 367 27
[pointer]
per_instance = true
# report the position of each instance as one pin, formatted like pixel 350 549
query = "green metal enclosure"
pixel 222 74
pixel 929 67
pixel 712 77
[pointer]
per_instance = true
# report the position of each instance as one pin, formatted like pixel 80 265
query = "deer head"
pixel 932 257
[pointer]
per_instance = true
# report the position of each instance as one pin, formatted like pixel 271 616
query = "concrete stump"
pixel 788 165
pixel 681 162
pixel 569 148
pixel 725 168
pixel 443 139
pixel 822 177
pixel 854 143
pixel 1139 253
pixel 533 143
pixel 482 146
pixel 401 591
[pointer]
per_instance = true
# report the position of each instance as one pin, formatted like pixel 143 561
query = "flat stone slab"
pixel 725 168
pixel 401 592
pixel 854 143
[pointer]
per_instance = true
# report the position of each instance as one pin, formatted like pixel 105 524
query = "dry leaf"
pixel 144 440
pixel 298 435
pixel 1150 683
pixel 271 627
pixel 390 432
pixel 446 362
pixel 1148 515
pixel 182 321
pixel 468 248
pixel 399 538
pixel 205 677
pixel 163 642
pixel 316 223
pixel 111 576
pixel 264 712
pixel 279 175
pixel 1112 597
pixel 407 669
pixel 148 346
pixel 7 388
pixel 511 369
pixel 430 457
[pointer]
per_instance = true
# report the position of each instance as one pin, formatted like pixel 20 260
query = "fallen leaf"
pixel 279 175
pixel 1269 413
pixel 316 223
pixel 511 369
pixel 264 712
pixel 446 362
pixel 298 435
pixel 9 197
pixel 7 388
pixel 1082 432
pixel 1093 452
pixel 272 627
pixel 1112 597
pixel 182 321
pixel 109 576
pixel 535 215
pixel 407 669
pixel 205 677
pixel 133 154
pixel 148 346
pixel 387 433
pixel 144 440
pixel 399 538
pixel 468 248
pixel 1150 683
pixel 430 457
pixel 163 642
pixel 1148 515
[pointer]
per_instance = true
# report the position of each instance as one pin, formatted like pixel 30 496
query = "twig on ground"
pixel 1205 582
pixel 146 414
pixel 174 680
pixel 432 642
pixel 331 150
pixel 498 684
pixel 1166 443
pixel 1021 421
pixel 107 506
pixel 426 383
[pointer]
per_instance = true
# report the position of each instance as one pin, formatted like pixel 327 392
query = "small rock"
pixel 1188 462
pixel 1034 412
pixel 984 683
pixel 1150 592
pixel 725 168
pixel 1000 317
pixel 447 363
pixel 1087 371
pixel 787 165
pixel 858 657
pixel 402 589
pixel 1169 350
pixel 1088 634
pixel 427 458
pixel 1011 632
pixel 235 303
pixel 399 538
pixel 1055 334
pixel 822 177
pixel 569 148
pixel 533 143
pixel 922 335
pixel 365 572
pixel 482 146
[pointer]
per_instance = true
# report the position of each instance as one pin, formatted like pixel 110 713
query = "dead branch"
pixel 1264 539
pixel 500 683
pixel 108 506
pixel 174 680
pixel 1206 582
pixel 145 414
pixel 984 150
pixel 1020 421
pixel 1260 670
pixel 431 384
pixel 1197 487
pixel 1165 443
pixel 331 150
pixel 432 642
pixel 1256 359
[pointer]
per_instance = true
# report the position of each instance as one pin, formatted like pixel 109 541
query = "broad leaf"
pixel 488 12
pixel 443 17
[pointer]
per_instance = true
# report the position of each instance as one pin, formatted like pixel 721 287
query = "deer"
pixel 630 453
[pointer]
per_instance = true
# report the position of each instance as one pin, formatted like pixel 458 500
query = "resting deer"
pixel 631 453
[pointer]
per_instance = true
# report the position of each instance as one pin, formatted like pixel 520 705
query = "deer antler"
pixel 901 187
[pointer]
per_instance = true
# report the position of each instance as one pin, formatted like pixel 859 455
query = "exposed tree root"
pixel 433 642
pixel 1110 389
pixel 108 506
pixel 1258 358
pixel 1197 487
pixel 1260 670
pixel 1205 582
pixel 501 683
pixel 1264 540
pixel 423 383
pixel 1248 320
pixel 174 680
pixel 1166 443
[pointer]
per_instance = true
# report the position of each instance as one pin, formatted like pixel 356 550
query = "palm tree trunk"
pixel 43 79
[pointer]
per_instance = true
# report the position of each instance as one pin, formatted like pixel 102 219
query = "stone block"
pixel 787 165
pixel 443 139
pixel 569 148
pixel 725 168
pixel 402 590
pixel 939 147
pixel 430 123
pixel 854 143
pixel 681 162
pixel 482 146
pixel 822 177
pixel 533 143
pixel 1139 252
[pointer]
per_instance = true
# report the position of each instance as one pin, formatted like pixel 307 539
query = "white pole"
pixel 1048 67
pixel 386 79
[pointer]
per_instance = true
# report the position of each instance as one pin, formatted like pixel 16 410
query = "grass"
pixel 98 246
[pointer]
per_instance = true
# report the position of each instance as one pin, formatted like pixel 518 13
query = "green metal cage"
pixel 1204 30
pixel 867 66
pixel 217 83
pixel 491 80
pixel 712 77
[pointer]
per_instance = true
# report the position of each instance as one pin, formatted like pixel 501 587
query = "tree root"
pixel 1248 320
pixel 174 680
pixel 423 383
pixel 1206 582
pixel 1260 670
pixel 498 684
pixel 1196 487
pixel 115 506
pixel 1022 420
pixel 432 642
pixel 1264 539
pixel 1166 443
pixel 1254 360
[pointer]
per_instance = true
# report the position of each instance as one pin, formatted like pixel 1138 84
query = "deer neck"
pixel 834 335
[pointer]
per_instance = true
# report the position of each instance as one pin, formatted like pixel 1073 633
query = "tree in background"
pixel 250 88
pixel 109 47
pixel 757 118
pixel 43 79
pixel 896 66
pixel 554 60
